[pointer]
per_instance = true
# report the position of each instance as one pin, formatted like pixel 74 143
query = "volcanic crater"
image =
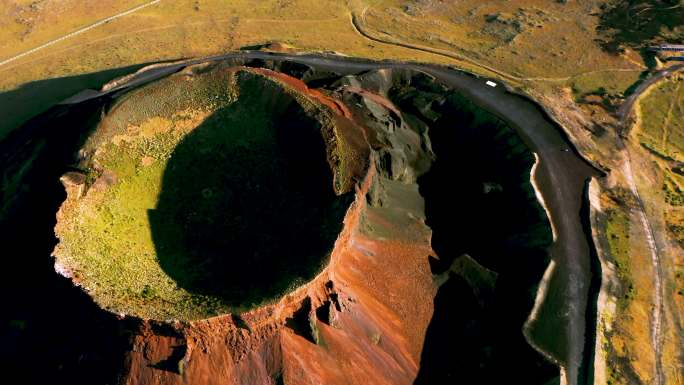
pixel 307 222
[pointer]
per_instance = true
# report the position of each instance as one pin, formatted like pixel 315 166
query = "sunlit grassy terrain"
pixel 661 127
pixel 658 138
pixel 549 41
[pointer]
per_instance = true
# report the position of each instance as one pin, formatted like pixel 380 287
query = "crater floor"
pixel 203 194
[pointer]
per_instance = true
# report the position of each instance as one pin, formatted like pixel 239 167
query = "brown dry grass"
pixel 660 125
pixel 628 343
pixel 529 38
pixel 167 31
pixel 172 30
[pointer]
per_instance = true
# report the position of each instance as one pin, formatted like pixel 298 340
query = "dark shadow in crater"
pixel 247 208
pixel 490 213
pixel 451 354
pixel 173 361
pixel 300 322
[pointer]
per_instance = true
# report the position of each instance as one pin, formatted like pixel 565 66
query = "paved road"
pixel 560 177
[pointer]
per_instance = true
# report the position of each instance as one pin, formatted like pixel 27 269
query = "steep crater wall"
pixel 207 192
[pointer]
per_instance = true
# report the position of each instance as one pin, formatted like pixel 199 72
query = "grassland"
pixel 617 233
pixel 658 141
pixel 549 43
pixel 167 31
pixel 661 120
pixel 660 130
pixel 629 334
pixel 190 204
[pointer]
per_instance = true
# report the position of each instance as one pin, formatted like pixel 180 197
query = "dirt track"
pixel 79 31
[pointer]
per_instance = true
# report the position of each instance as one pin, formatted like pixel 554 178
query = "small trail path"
pixel 77 32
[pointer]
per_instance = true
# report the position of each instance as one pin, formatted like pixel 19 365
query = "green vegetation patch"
pixel 617 233
pixel 606 85
pixel 203 200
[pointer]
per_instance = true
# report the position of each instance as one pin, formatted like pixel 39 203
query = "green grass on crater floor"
pixel 204 212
